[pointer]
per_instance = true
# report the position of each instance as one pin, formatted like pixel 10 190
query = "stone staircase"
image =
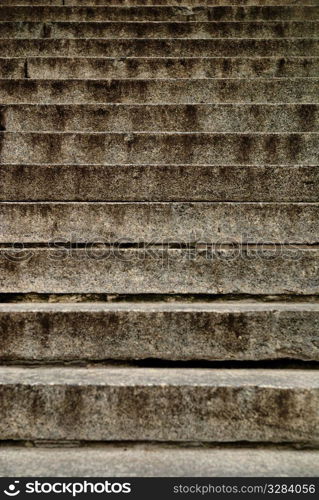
pixel 159 188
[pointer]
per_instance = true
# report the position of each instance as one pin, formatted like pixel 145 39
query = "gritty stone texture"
pixel 103 404
pixel 161 117
pixel 217 47
pixel 179 91
pixel 159 222
pixel 231 270
pixel 157 29
pixel 174 331
pixel 158 461
pixel 159 147
pixel 159 182
pixel 97 68
pixel 155 2
pixel 160 13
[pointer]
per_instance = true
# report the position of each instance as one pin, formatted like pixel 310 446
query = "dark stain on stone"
pixel 45 329
pixel 37 401
pixel 2 140
pixel 5 335
pixel 2 119
pixel 281 64
pixel 46 31
pixel 271 148
pixel 294 146
pixel 284 404
pixel 244 149
pixel 216 14
pixel 279 29
pixel 227 67
pixel 191 117
pixel 61 117
pixel 71 408
pixel 26 69
pixel 57 87
pixel 307 114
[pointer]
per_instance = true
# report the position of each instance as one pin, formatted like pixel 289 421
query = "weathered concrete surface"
pixel 175 91
pixel 108 403
pixel 160 13
pixel 159 222
pixel 157 2
pixel 217 47
pixel 159 183
pixel 160 147
pixel 97 68
pixel 174 331
pixel 235 270
pixel 123 404
pixel 157 29
pixel 161 117
pixel 158 461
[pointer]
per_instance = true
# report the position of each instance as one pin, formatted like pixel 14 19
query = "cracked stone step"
pixel 99 68
pixel 40 182
pixel 108 404
pixel 135 47
pixel 157 29
pixel 161 117
pixel 231 269
pixel 159 147
pixel 160 13
pixel 158 460
pixel 124 331
pixel 159 222
pixel 165 91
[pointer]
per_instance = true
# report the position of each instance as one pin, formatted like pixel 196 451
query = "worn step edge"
pixel 179 47
pixel 233 269
pixel 165 91
pixel 157 13
pixel 157 117
pixel 123 404
pixel 159 222
pixel 157 29
pixel 159 147
pixel 38 182
pixel 129 460
pixel 97 68
pixel 171 331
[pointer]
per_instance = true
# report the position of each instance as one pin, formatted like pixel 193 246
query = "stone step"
pixel 157 460
pixel 157 2
pixel 171 331
pixel 176 47
pixel 220 269
pixel 161 117
pixel 191 67
pixel 285 183
pixel 129 404
pixel 157 29
pixel 159 147
pixel 160 222
pixel 160 13
pixel 165 91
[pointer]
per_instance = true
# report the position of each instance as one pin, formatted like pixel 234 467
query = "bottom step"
pixel 159 404
pixel 157 461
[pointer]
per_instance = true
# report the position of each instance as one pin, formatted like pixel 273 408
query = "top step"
pixel 158 2
pixel 160 13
